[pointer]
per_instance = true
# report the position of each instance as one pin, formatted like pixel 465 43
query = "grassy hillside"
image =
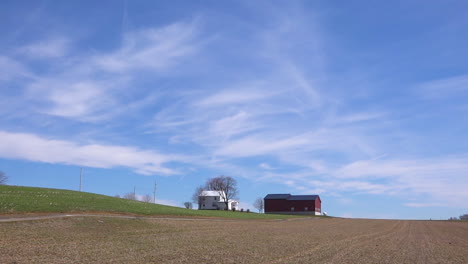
pixel 17 199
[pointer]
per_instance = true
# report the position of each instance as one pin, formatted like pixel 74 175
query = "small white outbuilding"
pixel 215 200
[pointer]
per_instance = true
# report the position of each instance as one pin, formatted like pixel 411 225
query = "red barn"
pixel 293 204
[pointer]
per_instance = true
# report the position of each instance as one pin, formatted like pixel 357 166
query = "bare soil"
pixel 319 240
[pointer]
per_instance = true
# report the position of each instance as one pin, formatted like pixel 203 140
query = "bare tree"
pixel 188 205
pixel 3 178
pixel 117 196
pixel 225 185
pixel 259 204
pixel 196 194
pixel 147 198
pixel 464 217
pixel 129 196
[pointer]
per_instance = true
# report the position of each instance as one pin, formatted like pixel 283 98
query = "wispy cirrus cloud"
pixel 92 87
pixel 359 117
pixel 244 94
pixel 437 180
pixel 151 49
pixel 278 114
pixel 430 168
pixel 235 125
pixel 257 145
pixel 443 88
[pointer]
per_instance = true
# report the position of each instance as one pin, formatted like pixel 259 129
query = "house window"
pixel 306 208
pixel 203 205
pixel 292 209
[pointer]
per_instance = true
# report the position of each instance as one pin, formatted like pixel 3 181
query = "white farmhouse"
pixel 214 200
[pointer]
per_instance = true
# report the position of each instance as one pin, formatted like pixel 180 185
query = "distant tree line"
pixel 132 196
pixel 462 217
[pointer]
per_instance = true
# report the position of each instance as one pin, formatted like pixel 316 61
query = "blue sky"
pixel 363 103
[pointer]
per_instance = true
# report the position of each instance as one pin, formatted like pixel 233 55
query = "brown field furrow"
pixel 446 241
pixel 334 251
pixel 106 240
pixel 381 248
pixel 373 240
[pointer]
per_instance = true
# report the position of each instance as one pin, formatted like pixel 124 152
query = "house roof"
pixel 291 197
pixel 210 193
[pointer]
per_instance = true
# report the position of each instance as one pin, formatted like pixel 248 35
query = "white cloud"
pixel 79 99
pixel 425 205
pixel 440 181
pixel 428 182
pixel 265 166
pixel 50 48
pixel 11 69
pixel 34 148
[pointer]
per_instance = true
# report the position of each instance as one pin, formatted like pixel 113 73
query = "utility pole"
pixel 154 193
pixel 134 191
pixel 81 178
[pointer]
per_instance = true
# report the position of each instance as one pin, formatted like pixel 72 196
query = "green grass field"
pixel 18 199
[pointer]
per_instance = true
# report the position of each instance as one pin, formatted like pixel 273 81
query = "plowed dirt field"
pixel 317 240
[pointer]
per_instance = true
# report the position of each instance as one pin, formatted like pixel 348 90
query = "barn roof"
pixel 291 197
pixel 277 196
pixel 302 197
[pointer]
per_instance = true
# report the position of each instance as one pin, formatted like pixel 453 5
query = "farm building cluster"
pixel 273 203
